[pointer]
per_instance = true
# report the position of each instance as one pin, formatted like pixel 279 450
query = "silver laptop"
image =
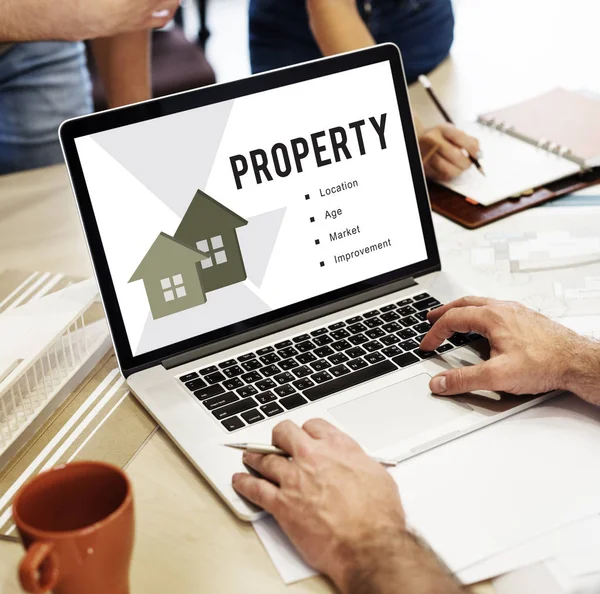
pixel 265 251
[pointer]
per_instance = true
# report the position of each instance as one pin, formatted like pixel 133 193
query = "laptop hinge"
pixel 278 326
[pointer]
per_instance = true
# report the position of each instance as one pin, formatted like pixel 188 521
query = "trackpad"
pixel 400 411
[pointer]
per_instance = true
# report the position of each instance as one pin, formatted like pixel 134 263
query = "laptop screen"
pixel 216 215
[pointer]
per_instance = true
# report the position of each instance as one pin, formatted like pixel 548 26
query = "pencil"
pixel 426 83
pixel 257 448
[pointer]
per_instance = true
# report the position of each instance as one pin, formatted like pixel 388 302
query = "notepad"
pixel 531 144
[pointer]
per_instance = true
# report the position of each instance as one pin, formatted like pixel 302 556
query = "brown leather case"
pixel 472 216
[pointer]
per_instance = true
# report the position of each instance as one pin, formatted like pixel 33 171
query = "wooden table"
pixel 187 541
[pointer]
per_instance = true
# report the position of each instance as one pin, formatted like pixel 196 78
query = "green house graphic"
pixel 203 256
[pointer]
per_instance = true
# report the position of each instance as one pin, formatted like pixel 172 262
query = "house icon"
pixel 203 256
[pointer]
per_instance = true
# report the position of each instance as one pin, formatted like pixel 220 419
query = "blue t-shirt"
pixel 280 34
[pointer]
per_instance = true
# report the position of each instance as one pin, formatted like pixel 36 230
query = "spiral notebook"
pixel 531 144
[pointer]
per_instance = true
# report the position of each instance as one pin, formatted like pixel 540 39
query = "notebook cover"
pixel 472 216
pixel 566 118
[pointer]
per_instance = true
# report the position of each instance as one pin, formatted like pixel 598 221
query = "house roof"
pixel 163 249
pixel 200 197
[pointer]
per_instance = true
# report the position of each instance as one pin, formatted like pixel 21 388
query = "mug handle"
pixel 38 571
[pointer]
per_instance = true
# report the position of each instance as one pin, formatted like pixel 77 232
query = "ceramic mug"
pixel 76 522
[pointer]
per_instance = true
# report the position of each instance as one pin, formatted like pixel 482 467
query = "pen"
pixel 426 83
pixel 257 448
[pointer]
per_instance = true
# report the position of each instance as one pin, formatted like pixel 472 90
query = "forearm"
pixel 402 565
pixel 583 374
pixel 17 24
pixel 123 62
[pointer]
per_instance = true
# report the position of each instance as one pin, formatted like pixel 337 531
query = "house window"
pixel 173 287
pixel 214 249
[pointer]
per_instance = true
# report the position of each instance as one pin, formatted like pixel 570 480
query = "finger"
pixel 460 138
pixel 258 491
pixel 443 169
pixel 321 429
pixel 464 319
pixel 290 438
pixel 484 376
pixel 438 312
pixel 273 467
pixel 454 155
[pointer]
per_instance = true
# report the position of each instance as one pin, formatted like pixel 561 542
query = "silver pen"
pixel 258 448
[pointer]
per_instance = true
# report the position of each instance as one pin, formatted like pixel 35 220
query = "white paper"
pixel 482 255
pixel 583 559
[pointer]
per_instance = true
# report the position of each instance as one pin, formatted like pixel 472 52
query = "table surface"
pixel 187 541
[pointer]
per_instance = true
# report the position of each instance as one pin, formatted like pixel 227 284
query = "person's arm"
pixel 75 20
pixel 123 63
pixel 343 512
pixel 529 353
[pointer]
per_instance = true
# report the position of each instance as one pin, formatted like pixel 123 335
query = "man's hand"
pixel 73 20
pixel 342 511
pixel 529 353
pixel 449 160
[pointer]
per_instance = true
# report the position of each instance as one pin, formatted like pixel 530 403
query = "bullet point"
pixel 307 197
pixel 322 264
pixel 317 241
pixel 312 219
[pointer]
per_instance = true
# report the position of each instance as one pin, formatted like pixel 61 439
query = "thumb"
pixel 464 379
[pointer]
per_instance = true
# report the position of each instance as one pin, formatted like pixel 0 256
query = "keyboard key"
pixel 404 302
pixel 306 358
pixel 354 320
pixel 389 307
pixel 445 347
pixel 391 327
pixel 247 391
pixel 423 327
pixel 356 328
pixel 390 316
pixel 266 397
pixel 246 357
pixel 406 311
pixel 209 392
pixel 324 351
pixel 283 345
pixel 235 408
pixel 233 383
pixel 426 304
pixel 458 339
pixel 284 390
pixel 302 371
pixel 284 378
pixel 420 338
pixel 406 334
pixel 195 385
pixel 375 333
pixel 321 377
pixel 294 401
pixel 233 423
pixel 252 377
pixel 215 378
pixel 372 346
pixel 355 352
pixel 270 370
pixel 425 354
pixel 303 337
pixel 271 409
pixel 409 345
pixel 339 370
pixel 265 350
pixel 336 326
pixel 289 364
pixel 472 336
pixel 208 370
pixel 421 315
pixel 358 339
pixel 405 359
pixel 390 339
pixel 252 416
pixel 270 358
pixel 304 383
pixel 251 365
pixel 374 322
pixel 371 314
pixel 227 363
pixel 338 358
pixel 221 400
pixel 288 352
pixel 319 332
pixel 305 346
pixel 408 321
pixel 356 364
pixel 265 384
pixel 320 364
pixel 374 358
pixel 339 334
pixel 341 345
pixel 188 377
pixel 391 351
pixel 421 296
pixel 349 380
pixel 233 371
pixel 323 340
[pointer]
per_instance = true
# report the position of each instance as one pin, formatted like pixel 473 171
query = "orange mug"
pixel 76 522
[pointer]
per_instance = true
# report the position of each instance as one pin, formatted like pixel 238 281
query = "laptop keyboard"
pixel 278 378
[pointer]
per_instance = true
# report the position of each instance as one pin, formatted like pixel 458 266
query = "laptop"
pixel 265 251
